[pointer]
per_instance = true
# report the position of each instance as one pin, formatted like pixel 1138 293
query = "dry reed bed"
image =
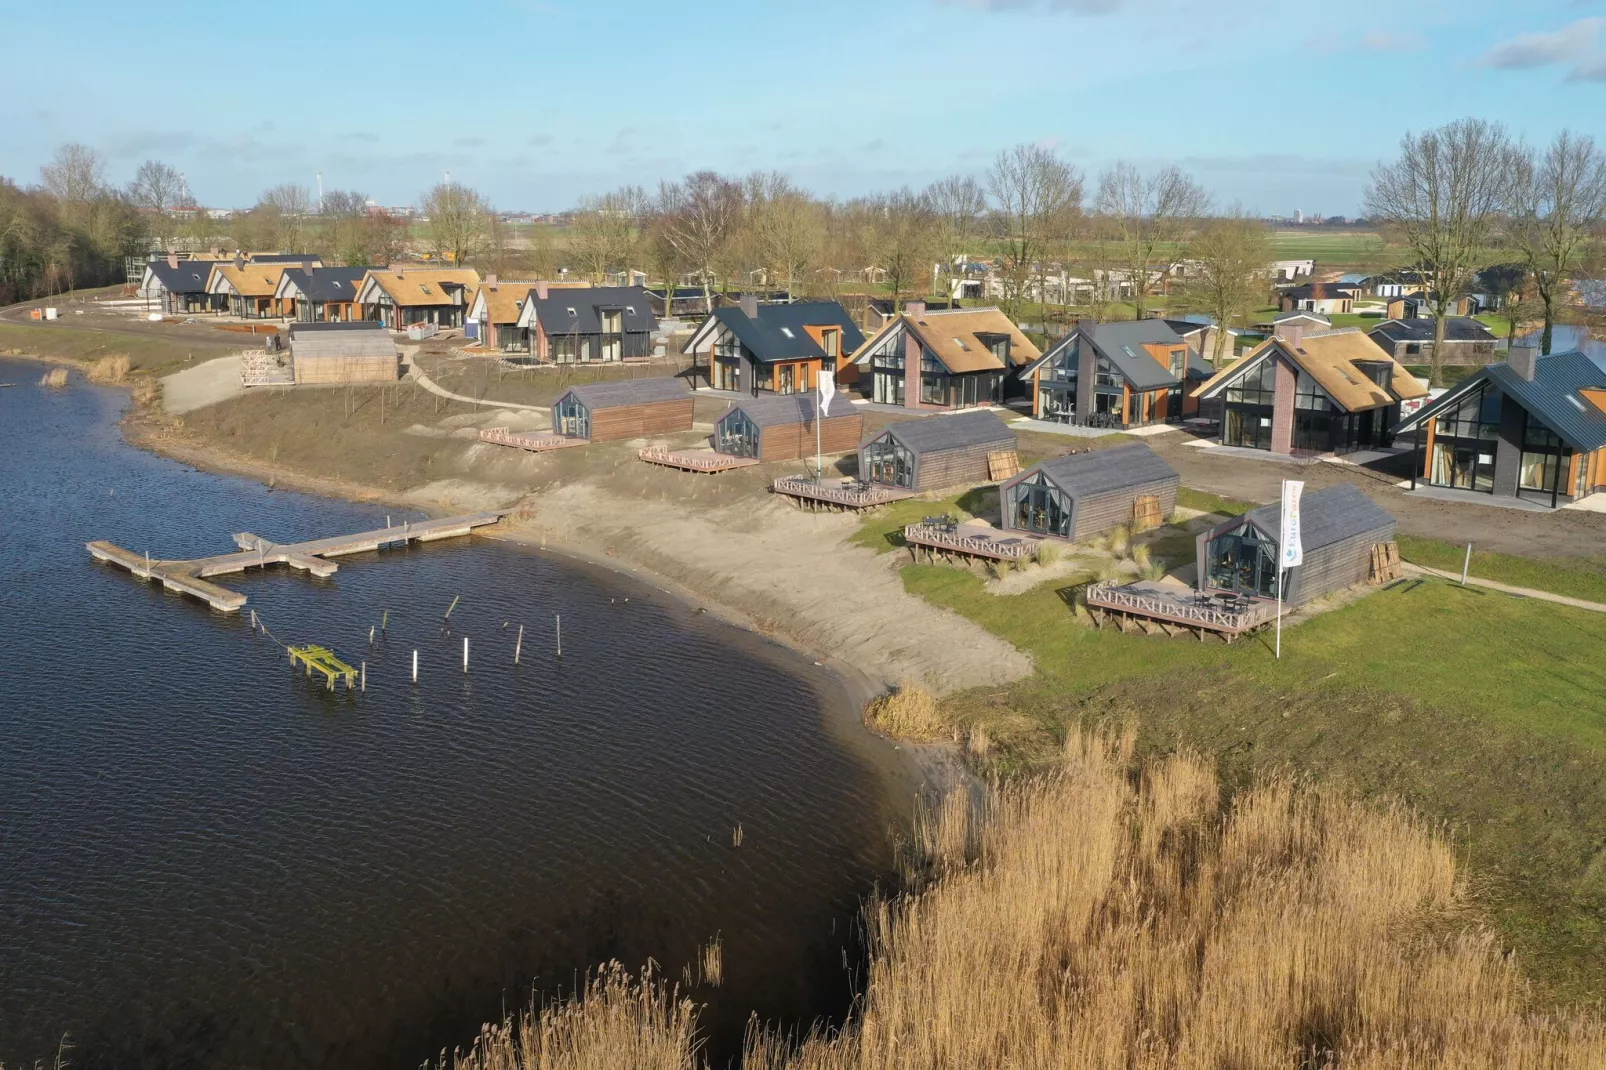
pixel 1123 916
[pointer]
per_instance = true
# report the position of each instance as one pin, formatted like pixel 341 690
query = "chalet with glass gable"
pixel 1339 526
pixel 586 324
pixel 401 295
pixel 1327 392
pixel 1117 375
pixel 951 359
pixel 779 427
pixel 1531 428
pixel 758 349
pixel 624 408
pixel 320 294
pixel 937 451
pixel 1081 495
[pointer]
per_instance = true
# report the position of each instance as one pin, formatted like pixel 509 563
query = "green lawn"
pixel 1576 577
pixel 1189 498
pixel 154 353
pixel 1482 710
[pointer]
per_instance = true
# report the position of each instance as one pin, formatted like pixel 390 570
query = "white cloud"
pixel 1577 45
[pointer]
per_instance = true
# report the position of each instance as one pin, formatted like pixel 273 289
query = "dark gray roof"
pixel 281 258
pixel 327 283
pixel 1552 397
pixel 1326 516
pixel 779 409
pixel 587 303
pixel 333 328
pixel 1105 470
pixel 778 332
pixel 933 433
pixel 189 277
pixel 1456 329
pixel 628 392
pixel 1122 344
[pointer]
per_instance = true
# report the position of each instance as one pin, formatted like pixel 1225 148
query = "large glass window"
pixel 1040 507
pixel 1056 402
pixel 573 418
pixel 1476 416
pixel 737 436
pixel 1464 442
pixel 887 462
pixel 1256 385
pixel 1243 560
pixel 1105 374
pixel 1308 394
pixel 1544 458
pixel 1247 426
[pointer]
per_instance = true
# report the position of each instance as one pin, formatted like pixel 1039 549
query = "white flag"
pixel 827 390
pixel 1291 551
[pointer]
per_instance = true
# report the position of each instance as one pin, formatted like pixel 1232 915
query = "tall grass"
pixel 1117 915
pixel 110 369
pixel 907 713
pixel 55 377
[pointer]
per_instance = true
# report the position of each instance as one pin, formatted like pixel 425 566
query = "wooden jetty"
pixel 694 460
pixel 192 577
pixel 971 541
pixel 847 494
pixel 1149 607
pixel 534 441
pixel 322 660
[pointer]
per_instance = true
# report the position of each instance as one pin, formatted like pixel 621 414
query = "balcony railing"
pixel 1221 613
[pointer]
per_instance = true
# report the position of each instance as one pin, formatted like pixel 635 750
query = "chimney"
pixel 172 260
pixel 914 309
pixel 1524 360
pixel 239 260
pixel 541 289
pixel 1292 333
pixel 490 282
pixel 749 305
pixel 398 269
pixel 215 250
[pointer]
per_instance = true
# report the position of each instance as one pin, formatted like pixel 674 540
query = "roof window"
pixel 1577 404
pixel 423 287
pixel 630 309
pixel 960 342
pixel 570 311
pixel 788 332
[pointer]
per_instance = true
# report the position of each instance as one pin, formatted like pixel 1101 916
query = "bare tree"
pixel 75 175
pixel 604 230
pixel 1558 202
pixel 1232 275
pixel 783 227
pixel 1036 197
pixel 1441 199
pixel 960 203
pixel 1147 214
pixel 697 217
pixel 458 221
pixel 896 235
pixel 283 213
pixel 156 188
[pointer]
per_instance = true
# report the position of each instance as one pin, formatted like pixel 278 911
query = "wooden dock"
pixel 192 577
pixel 694 460
pixel 971 541
pixel 848 494
pixel 1147 608
pixel 534 441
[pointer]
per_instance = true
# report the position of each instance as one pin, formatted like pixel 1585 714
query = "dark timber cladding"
pixel 782 427
pixel 1082 495
pixel 1338 528
pixel 936 451
pixel 626 408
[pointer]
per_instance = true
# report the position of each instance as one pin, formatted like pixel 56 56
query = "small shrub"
pixel 110 369
pixel 1120 540
pixel 55 377
pixel 907 713
pixel 1141 557
pixel 1048 553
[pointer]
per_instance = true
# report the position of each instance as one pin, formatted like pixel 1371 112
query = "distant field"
pixel 1362 249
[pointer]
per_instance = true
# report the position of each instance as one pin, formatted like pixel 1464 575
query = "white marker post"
pixel 415 668
pixel 465 653
pixel 1290 551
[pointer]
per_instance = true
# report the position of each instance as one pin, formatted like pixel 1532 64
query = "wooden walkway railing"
pixel 694 460
pixel 1193 612
pixel 938 539
pixel 812 493
pixel 534 441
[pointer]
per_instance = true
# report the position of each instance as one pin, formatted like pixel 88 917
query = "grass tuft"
pixel 110 369
pixel 55 378
pixel 907 713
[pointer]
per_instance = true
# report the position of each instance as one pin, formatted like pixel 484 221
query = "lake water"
pixel 206 860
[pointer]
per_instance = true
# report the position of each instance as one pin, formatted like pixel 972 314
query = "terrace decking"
pixel 534 441
pixel 849 494
pixel 694 460
pixel 191 577
pixel 1149 607
pixel 972 541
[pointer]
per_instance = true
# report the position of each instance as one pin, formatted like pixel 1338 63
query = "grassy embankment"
pixel 1483 709
pixel 153 354
pixel 1115 913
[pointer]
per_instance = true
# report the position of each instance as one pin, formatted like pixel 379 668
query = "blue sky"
pixel 536 102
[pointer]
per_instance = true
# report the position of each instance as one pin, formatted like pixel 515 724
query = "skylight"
pixel 1577 404
pixel 788 332
pixel 570 311
pixel 423 287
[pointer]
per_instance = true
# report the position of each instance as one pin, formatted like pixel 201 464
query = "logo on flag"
pixel 1290 551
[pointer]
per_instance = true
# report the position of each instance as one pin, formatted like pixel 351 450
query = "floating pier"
pixel 192 577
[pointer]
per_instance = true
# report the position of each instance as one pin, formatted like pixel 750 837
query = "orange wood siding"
pixel 1427 449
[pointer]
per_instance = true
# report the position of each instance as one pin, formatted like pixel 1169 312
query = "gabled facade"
pixel 180 286
pixel 401 295
pixel 1323 298
pixel 1078 496
pixel 1532 428
pixel 1116 375
pixel 953 359
pixel 774 349
pixel 320 294
pixel 586 324
pixel 1328 392
pixel 248 287
pixel 493 315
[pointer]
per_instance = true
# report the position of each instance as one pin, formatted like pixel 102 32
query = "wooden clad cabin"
pixel 937 451
pixel 1082 495
pixel 782 427
pixel 1338 528
pixel 359 351
pixel 626 408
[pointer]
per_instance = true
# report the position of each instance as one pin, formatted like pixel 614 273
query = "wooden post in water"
pixel 364 676
pixel 455 599
pixel 559 619
pixel 518 646
pixel 415 668
pixel 384 623
pixel 465 653
pixel 370 635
